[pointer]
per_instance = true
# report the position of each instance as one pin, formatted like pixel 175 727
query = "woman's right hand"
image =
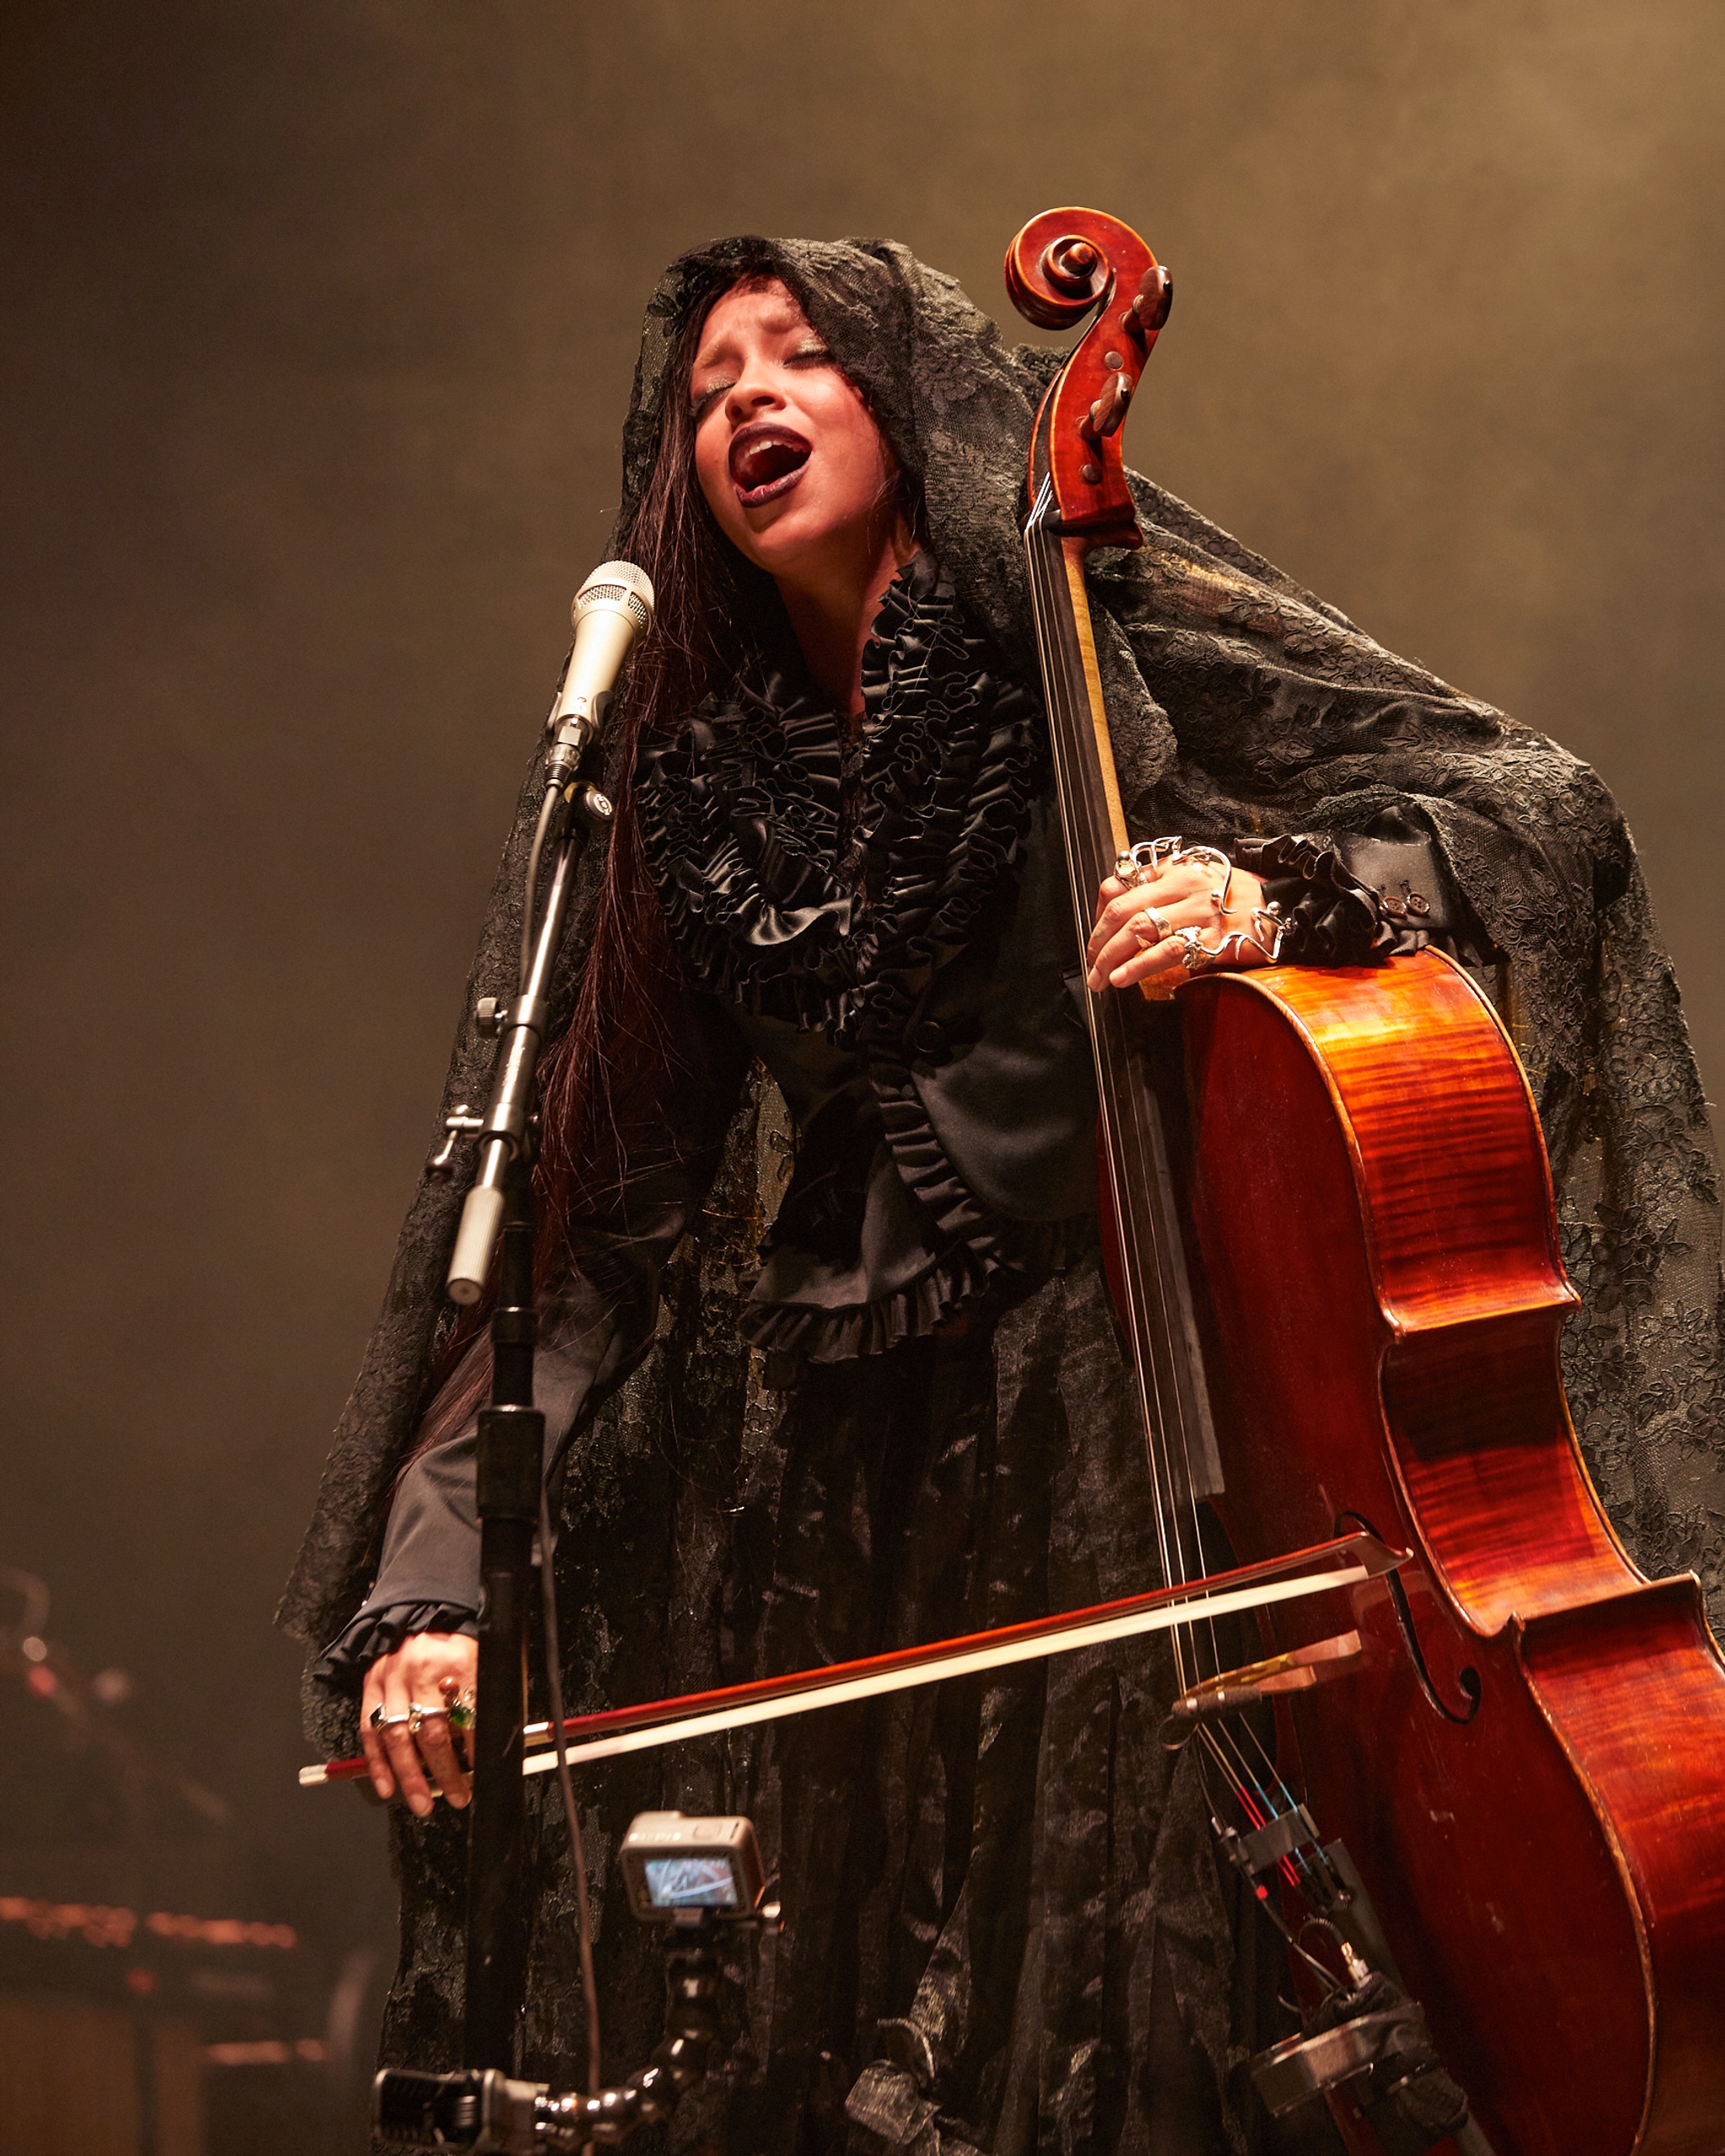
pixel 428 1671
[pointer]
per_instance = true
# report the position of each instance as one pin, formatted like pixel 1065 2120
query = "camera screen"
pixel 690 1882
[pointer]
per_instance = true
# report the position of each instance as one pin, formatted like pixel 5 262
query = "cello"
pixel 1503 1779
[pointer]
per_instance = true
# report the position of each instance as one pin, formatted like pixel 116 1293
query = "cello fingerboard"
pixel 1154 1286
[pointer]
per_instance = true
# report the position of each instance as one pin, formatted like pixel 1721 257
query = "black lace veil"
pixel 1240 704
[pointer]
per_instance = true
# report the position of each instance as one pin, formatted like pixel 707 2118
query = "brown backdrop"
pixel 318 321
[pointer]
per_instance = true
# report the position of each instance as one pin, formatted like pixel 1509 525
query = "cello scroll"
pixel 1062 265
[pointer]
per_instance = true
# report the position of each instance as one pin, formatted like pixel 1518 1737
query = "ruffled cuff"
pixel 1329 917
pixel 343 1663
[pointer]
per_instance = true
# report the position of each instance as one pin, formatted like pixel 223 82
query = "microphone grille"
pixel 618 585
pixel 597 594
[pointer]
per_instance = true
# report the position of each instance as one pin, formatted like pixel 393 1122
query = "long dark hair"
pixel 603 1080
pixel 715 615
pixel 718 619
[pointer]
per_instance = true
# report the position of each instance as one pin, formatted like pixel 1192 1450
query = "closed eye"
pixel 809 355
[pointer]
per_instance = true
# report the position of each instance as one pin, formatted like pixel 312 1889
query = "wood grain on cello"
pixel 1549 1863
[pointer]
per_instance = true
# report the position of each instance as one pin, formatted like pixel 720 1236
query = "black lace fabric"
pixel 1239 703
pixel 971 1868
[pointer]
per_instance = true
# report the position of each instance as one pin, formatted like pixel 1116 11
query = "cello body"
pixel 1527 1760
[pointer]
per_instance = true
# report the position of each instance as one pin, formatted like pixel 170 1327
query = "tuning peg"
pixel 1155 296
pixel 1109 408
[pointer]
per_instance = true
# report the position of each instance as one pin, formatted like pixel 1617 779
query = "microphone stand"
pixel 511 1444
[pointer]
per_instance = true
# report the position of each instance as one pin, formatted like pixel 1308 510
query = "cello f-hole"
pixel 1466 1678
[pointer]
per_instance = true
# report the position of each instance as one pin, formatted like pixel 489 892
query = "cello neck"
pixel 1092 816
pixel 1151 1287
pixel 1061 267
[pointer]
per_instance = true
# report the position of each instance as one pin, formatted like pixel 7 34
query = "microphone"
pixel 612 608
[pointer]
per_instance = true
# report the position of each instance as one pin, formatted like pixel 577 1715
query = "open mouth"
pixel 767 461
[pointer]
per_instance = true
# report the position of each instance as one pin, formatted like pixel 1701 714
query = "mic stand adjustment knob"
pixel 490 1017
pixel 595 810
pixel 459 1125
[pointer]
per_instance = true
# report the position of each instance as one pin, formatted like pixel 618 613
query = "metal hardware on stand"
pixel 518 1027
pixel 487 2110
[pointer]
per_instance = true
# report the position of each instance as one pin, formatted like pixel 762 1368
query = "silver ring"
pixel 1158 920
pixel 381 1720
pixel 1194 954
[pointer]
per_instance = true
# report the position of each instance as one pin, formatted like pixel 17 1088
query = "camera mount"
pixel 485 2110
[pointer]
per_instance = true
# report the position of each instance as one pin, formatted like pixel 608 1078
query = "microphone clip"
pixel 568 735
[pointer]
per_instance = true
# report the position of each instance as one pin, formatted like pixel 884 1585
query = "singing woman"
pixel 829 1361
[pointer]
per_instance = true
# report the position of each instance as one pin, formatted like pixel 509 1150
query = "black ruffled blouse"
pixel 856 908
pixel 884 920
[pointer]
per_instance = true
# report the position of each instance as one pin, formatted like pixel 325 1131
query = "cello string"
pixel 1158 1445
pixel 1222 1744
pixel 1172 1539
pixel 1172 1528
pixel 1041 549
pixel 1222 1739
pixel 1243 1774
pixel 1044 562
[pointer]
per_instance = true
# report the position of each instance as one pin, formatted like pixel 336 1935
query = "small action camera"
pixel 684 1870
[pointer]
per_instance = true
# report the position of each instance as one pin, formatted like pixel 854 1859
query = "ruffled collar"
pixel 771 901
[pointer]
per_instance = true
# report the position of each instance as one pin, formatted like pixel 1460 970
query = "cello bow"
pixel 1330 1567
pixel 1524 1772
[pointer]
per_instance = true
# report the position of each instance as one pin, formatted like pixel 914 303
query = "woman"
pixel 834 858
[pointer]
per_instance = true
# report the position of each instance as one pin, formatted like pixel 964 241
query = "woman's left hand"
pixel 1137 932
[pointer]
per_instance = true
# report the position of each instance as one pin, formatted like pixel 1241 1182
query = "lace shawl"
pixel 1238 701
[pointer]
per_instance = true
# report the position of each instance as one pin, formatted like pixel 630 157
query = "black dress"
pixel 1000 1895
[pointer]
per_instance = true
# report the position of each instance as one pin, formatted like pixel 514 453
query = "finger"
pixel 1124 908
pixel 1117 902
pixel 371 1697
pixel 1125 962
pixel 404 1752
pixel 437 1749
pixel 1168 887
pixel 1163 965
pixel 456 1690
pixel 454 1677
pixel 441 1667
pixel 1116 962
